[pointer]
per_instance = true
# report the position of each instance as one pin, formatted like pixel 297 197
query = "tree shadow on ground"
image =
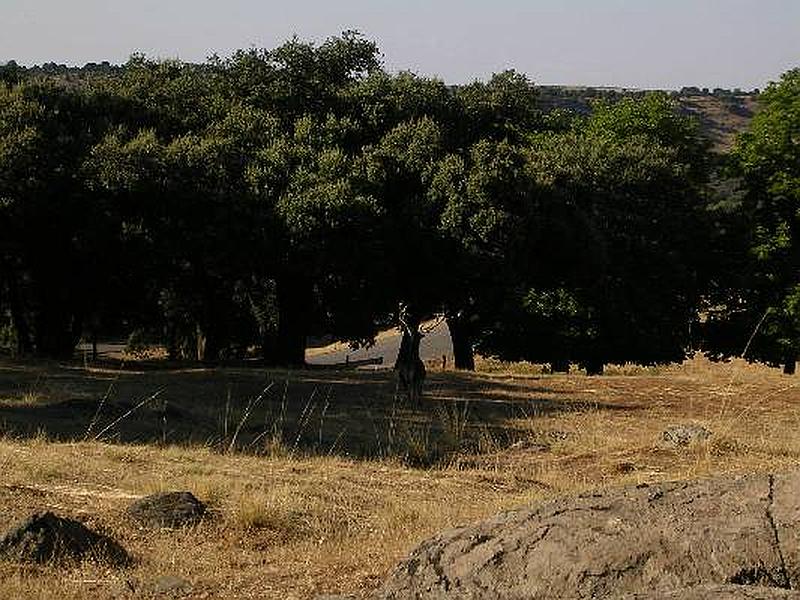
pixel 353 413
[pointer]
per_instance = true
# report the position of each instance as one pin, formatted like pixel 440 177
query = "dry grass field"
pixel 722 118
pixel 319 481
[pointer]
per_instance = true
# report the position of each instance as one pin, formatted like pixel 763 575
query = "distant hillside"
pixel 722 113
pixel 722 117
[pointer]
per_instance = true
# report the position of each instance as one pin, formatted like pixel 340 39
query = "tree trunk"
pixel 54 338
pixel 171 337
pixel 18 320
pixel 561 365
pixel 594 366
pixel 56 308
pixel 269 347
pixel 207 332
pixel 462 339
pixel 57 329
pixel 790 366
pixel 200 343
pixel 294 296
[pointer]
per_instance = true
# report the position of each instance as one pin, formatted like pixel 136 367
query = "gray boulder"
pixel 167 509
pixel 46 537
pixel 635 540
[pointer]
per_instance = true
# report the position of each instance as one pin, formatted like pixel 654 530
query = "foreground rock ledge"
pixel 642 540
pixel 718 592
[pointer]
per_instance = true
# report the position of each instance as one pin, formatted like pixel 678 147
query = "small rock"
pixel 684 435
pixel 46 537
pixel 167 509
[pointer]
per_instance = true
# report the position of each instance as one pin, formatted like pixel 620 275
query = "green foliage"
pixel 250 201
pixel 382 101
pixel 581 232
pixel 52 222
pixel 300 78
pixel 759 293
pixel 505 107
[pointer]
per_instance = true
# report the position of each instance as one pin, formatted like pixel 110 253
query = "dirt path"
pixel 434 345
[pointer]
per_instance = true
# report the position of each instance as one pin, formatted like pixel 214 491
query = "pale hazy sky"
pixel 632 43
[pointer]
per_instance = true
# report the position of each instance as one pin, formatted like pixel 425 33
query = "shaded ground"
pixel 347 413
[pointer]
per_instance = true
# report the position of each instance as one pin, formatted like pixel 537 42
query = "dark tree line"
pixel 252 201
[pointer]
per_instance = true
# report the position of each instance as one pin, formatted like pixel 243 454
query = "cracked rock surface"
pixel 739 532
pixel 718 592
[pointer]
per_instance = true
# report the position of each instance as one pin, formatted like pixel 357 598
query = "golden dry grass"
pixel 301 517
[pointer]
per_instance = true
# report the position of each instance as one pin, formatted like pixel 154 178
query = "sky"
pixel 662 44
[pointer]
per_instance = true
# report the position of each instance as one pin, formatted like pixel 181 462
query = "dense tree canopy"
pixel 583 231
pixel 759 288
pixel 242 205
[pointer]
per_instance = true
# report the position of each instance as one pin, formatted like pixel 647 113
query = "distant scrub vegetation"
pixel 244 204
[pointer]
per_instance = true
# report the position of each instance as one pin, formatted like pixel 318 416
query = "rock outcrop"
pixel 647 539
